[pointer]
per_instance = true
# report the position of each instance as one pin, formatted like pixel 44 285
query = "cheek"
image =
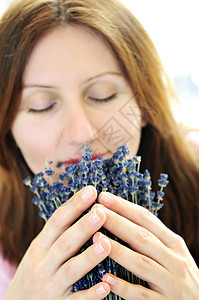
pixel 133 120
pixel 37 143
pixel 119 128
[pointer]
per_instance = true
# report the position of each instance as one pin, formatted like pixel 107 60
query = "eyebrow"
pixel 36 85
pixel 44 86
pixel 103 74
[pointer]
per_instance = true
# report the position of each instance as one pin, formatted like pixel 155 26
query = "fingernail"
pixel 100 291
pixel 96 237
pixel 99 249
pixel 107 198
pixel 87 193
pixel 94 218
pixel 111 280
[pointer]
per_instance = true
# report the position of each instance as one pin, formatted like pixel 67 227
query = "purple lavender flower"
pixel 119 175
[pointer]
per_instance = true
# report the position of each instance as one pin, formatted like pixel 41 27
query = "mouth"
pixel 75 161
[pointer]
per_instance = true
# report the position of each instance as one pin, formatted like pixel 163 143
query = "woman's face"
pixel 74 93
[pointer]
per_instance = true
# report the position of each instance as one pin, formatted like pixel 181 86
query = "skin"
pixel 159 256
pixel 58 74
pixel 156 254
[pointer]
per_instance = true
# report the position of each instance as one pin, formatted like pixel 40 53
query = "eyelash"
pixel 104 99
pixel 32 110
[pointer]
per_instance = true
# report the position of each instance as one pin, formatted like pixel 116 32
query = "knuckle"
pixel 183 265
pixel 179 242
pixel 63 244
pixel 144 295
pixel 144 263
pixel 142 235
pixel 145 214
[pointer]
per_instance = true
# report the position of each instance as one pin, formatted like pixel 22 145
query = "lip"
pixel 75 161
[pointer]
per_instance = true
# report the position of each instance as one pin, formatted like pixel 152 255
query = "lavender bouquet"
pixel 118 175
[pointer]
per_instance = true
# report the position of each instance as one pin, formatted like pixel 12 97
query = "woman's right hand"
pixel 49 268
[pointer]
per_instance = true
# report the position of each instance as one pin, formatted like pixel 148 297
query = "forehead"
pixel 70 48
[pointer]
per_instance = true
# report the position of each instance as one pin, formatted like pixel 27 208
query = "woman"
pixel 71 71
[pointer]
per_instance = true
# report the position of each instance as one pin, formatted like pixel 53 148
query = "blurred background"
pixel 173 26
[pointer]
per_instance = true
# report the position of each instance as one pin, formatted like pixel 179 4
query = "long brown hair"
pixel 162 146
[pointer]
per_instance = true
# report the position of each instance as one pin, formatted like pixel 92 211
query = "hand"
pixel 159 256
pixel 49 267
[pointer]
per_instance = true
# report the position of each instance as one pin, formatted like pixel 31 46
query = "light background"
pixel 173 25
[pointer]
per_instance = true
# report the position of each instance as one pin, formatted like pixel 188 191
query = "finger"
pixel 76 267
pixel 138 238
pixel 73 239
pixel 130 291
pixel 143 267
pixel 140 216
pixel 64 216
pixel 99 291
pixel 146 219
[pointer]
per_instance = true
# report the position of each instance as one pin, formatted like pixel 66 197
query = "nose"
pixel 80 129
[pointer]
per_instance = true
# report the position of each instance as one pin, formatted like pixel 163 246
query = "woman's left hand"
pixel 156 254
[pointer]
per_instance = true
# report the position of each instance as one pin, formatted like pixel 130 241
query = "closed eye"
pixel 46 109
pixel 111 97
